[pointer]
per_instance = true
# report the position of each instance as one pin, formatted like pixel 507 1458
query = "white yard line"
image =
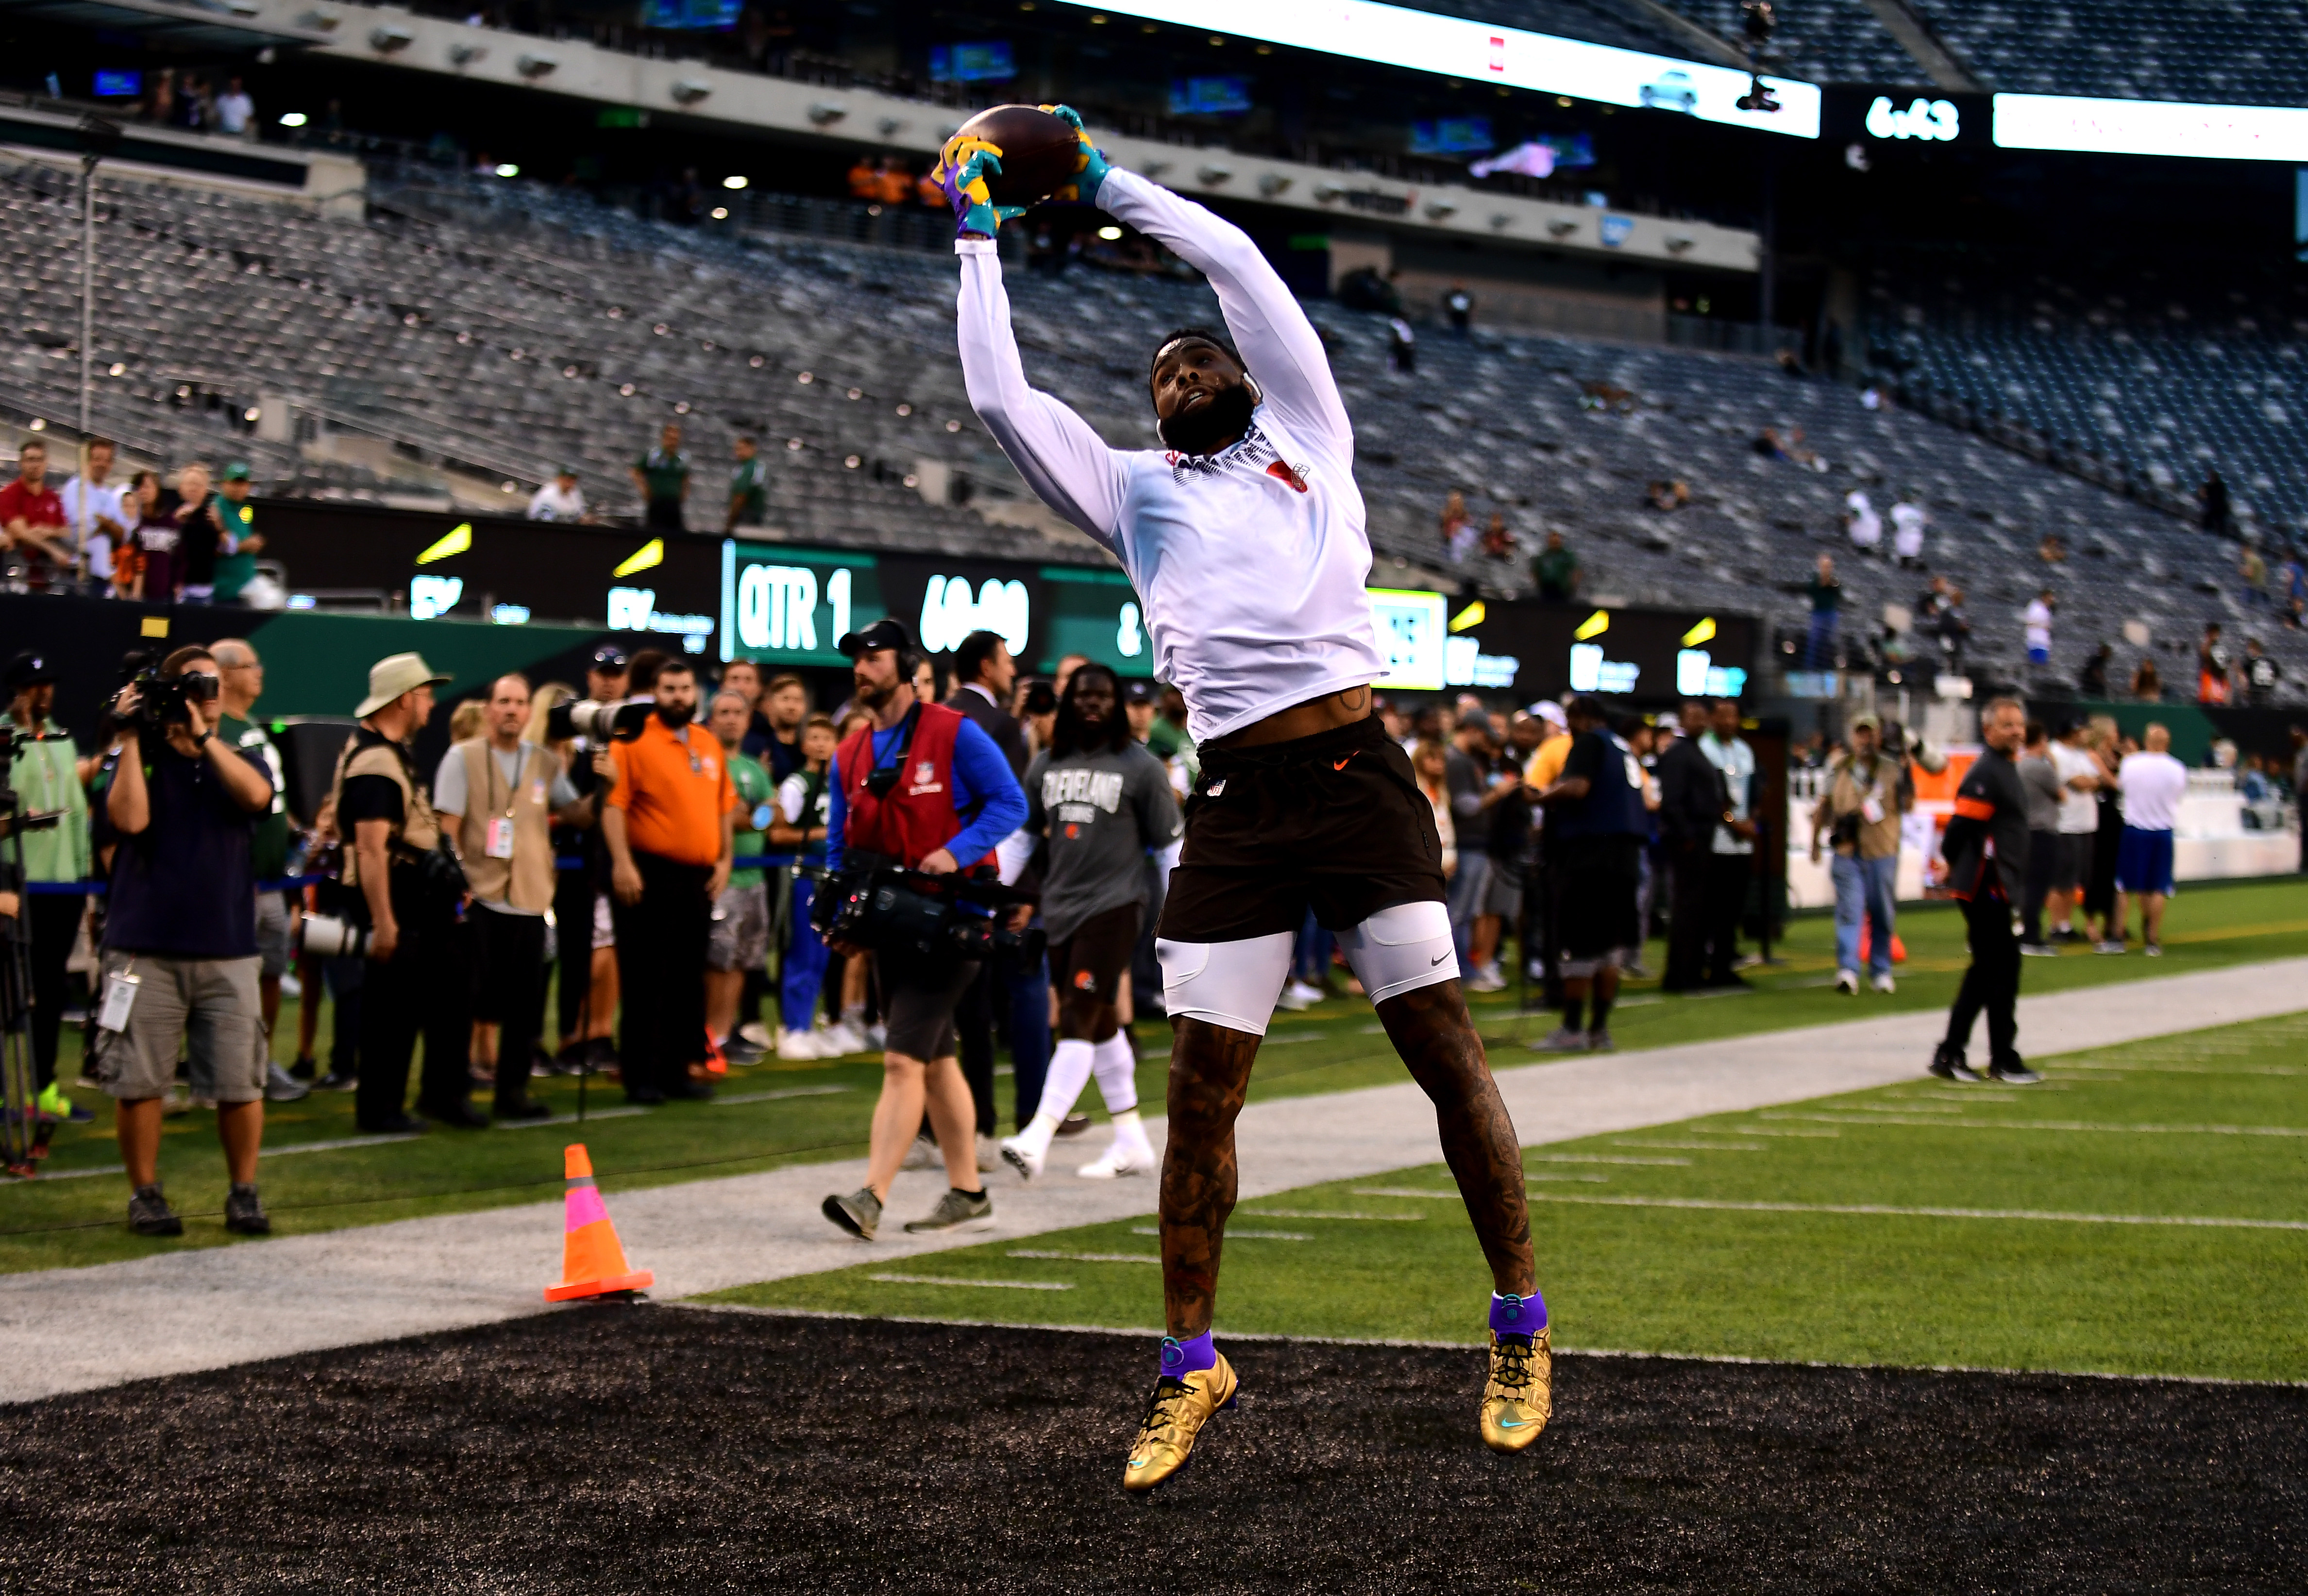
pixel 2196 1222
pixel 76 1329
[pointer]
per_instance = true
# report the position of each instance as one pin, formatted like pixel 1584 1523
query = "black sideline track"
pixel 615 1449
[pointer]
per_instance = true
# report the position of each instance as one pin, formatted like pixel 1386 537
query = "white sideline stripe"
pixel 625 1112
pixel 1887 1210
pixel 695 1306
pixel 1752 1130
pixel 1709 1146
pixel 771 1097
pixel 2053 1125
pixel 1029 1252
pixel 338 1144
pixel 1594 1157
pixel 1326 1213
pixel 942 1279
pixel 1235 1235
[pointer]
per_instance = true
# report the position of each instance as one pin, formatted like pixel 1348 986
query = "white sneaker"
pixel 923 1155
pixel 798 1045
pixel 839 1040
pixel 1128 1156
pixel 1487 979
pixel 877 1038
pixel 1884 983
pixel 1298 996
pixel 1847 982
pixel 1025 1154
pixel 757 1034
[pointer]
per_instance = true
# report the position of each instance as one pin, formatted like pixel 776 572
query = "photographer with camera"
pixel 669 821
pixel 180 960
pixel 404 889
pixel 43 771
pixel 923 789
pixel 498 796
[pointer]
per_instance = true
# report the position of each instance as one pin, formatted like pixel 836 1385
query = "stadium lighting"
pixel 733 182
pixel 508 170
pixel 720 212
pixel 1109 233
pixel 1511 57
pixel 2150 127
pixel 292 118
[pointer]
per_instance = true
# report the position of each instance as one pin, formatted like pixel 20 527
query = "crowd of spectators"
pixel 192 539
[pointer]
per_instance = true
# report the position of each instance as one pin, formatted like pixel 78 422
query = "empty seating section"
pixel 514 328
pixel 2218 52
pixel 1819 41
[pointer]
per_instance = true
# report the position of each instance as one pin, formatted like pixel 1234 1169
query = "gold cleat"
pixel 1519 1397
pixel 1174 1416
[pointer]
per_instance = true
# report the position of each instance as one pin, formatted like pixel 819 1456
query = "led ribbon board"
pixel 2151 128
pixel 1481 51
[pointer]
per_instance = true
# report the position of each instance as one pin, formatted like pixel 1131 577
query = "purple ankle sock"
pixel 1180 1359
pixel 1518 1315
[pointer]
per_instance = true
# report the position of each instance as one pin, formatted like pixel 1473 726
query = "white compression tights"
pixel 1236 984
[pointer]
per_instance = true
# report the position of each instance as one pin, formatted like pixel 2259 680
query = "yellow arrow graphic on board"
pixel 1599 622
pixel 458 541
pixel 652 553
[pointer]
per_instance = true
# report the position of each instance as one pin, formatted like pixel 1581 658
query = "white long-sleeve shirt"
pixel 1250 564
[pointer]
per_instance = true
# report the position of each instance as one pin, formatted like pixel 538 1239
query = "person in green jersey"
pixel 749 488
pixel 236 551
pixel 663 477
pixel 739 940
pixel 241 683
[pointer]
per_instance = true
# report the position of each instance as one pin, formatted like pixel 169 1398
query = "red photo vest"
pixel 917 817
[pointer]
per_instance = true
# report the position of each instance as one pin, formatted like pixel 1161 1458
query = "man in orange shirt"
pixel 668 823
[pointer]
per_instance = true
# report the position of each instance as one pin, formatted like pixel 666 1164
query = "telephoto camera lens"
pixel 329 936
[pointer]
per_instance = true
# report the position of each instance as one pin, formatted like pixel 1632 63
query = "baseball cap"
pixel 1137 691
pixel 609 659
pixel 887 632
pixel 28 669
pixel 1550 712
pixel 392 675
pixel 1869 719
pixel 237 471
pixel 1474 719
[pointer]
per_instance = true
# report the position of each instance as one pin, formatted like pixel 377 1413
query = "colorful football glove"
pixel 960 174
pixel 1091 169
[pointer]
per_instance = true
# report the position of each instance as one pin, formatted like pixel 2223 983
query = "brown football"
pixel 1038 152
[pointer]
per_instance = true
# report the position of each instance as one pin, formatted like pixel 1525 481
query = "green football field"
pixel 318 1174
pixel 2143 1211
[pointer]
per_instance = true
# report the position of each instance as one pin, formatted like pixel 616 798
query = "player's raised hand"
pixel 1092 167
pixel 960 174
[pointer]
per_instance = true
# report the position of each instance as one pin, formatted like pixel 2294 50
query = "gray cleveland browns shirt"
pixel 1102 813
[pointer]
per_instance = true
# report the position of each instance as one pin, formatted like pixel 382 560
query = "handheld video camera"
pixel 906 912
pixel 165 700
pixel 598 721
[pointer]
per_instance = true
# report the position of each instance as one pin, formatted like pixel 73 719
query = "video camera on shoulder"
pixel 166 701
pixel 598 721
pixel 905 912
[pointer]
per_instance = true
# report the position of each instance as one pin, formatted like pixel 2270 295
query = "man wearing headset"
pixel 923 788
pixel 1248 543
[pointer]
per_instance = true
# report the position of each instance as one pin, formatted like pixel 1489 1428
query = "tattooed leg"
pixel 1432 1031
pixel 1210 1070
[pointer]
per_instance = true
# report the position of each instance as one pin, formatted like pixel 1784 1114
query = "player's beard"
pixel 1209 427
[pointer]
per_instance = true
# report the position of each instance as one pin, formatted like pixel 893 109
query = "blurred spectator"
pixel 32 517
pixel 1668 496
pixel 803 803
pixel 1498 540
pixel 198 531
pixel 45 776
pixel 2153 784
pixel 1734 864
pixel 1692 802
pixel 236 113
pixel 2260 674
pixel 1861 524
pixel 1431 760
pixel 1908 523
pixel 2212 503
pixel 2037 624
pixel 1555 570
pixel 2300 789
pixel 2212 667
pixel 738 942
pixel 2147 683
pixel 1458 305
pixel 864 181
pixel 663 477
pixel 1456 526
pixel 93 513
pixel 1596 821
pixel 984 674
pixel 749 488
pixel 560 499
pixel 2092 680
pixel 2081 776
pixel 2039 779
pixel 1954 627
pixel 892 183
pixel 1825 594
pixel 238 542
pixel 2253 568
pixel 1477 789
pixel 2051 550
pixel 241 684
pixel 1402 344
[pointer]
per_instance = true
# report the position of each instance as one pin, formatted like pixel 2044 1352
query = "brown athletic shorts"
pixel 1093 959
pixel 1334 823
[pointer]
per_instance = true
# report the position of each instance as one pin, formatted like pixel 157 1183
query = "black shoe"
pixel 244 1215
pixel 1947 1063
pixel 690 1091
pixel 529 1108
pixel 149 1213
pixel 305 1069
pixel 2012 1071
pixel 399 1125
pixel 648 1096
pixel 460 1114
pixel 336 1081
pixel 1073 1125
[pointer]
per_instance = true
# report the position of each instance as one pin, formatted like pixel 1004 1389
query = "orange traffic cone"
pixel 592 1262
pixel 1866 938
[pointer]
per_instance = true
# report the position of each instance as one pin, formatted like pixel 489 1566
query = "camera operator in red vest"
pixel 923 788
